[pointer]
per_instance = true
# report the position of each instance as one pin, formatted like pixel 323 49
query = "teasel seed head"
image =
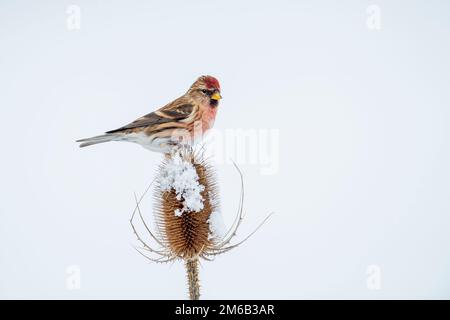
pixel 185 197
pixel 187 215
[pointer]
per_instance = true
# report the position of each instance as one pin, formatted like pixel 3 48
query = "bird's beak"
pixel 216 96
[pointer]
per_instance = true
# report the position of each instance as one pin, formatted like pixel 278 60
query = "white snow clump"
pixel 180 175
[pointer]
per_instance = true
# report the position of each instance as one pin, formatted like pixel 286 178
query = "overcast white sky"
pixel 352 121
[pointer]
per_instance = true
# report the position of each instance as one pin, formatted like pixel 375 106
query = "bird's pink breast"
pixel 208 118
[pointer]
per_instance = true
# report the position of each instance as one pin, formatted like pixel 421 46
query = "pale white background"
pixel 363 117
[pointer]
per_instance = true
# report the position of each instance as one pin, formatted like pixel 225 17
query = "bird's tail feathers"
pixel 97 139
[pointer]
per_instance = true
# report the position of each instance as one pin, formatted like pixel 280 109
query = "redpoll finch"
pixel 183 120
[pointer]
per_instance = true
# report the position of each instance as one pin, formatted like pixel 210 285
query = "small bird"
pixel 184 120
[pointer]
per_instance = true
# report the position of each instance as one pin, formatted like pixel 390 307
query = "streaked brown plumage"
pixel 184 119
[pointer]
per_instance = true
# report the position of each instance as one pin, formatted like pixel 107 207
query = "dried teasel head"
pixel 189 224
pixel 187 208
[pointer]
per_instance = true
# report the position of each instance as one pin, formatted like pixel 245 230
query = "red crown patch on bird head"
pixel 211 82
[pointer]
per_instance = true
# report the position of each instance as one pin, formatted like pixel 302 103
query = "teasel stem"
pixel 193 281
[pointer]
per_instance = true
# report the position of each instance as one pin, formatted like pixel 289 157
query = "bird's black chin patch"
pixel 213 103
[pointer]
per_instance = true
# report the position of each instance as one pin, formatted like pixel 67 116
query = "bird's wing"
pixel 171 112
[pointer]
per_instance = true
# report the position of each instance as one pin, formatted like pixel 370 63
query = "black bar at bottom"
pixel 222 309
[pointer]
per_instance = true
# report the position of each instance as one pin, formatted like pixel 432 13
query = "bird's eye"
pixel 205 91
